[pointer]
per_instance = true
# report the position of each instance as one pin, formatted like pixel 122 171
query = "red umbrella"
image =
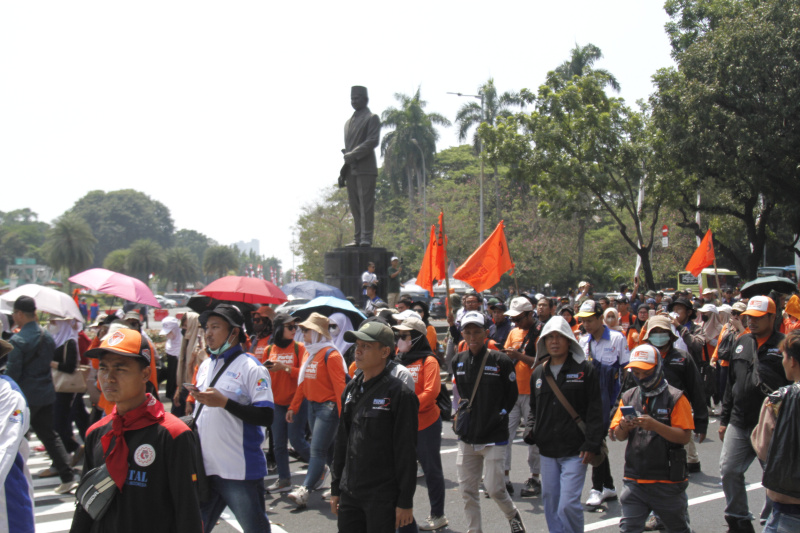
pixel 244 289
pixel 116 284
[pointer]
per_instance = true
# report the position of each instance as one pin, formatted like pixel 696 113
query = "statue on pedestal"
pixel 359 173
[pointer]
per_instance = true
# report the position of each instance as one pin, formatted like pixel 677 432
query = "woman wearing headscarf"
pixel 634 332
pixel 284 357
pixel 422 309
pixel 193 352
pixel 611 319
pixel 791 313
pixel 339 324
pixel 68 405
pixel 712 327
pixel 321 381
pixel 416 355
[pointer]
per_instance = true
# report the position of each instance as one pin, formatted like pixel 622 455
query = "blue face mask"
pixel 659 340
pixel 222 349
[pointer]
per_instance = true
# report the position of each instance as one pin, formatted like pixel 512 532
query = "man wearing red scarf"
pixel 150 454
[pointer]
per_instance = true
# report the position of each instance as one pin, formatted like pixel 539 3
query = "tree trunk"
pixel 581 242
pixel 647 267
pixel 497 195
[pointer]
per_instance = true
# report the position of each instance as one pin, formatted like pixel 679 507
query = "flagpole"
pixel 446 273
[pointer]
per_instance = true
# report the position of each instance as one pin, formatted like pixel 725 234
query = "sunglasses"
pixel 403 336
pixel 290 327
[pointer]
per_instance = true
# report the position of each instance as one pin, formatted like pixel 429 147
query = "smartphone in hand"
pixel 191 387
pixel 628 412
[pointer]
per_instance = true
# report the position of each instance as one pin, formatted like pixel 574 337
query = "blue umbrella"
pixel 308 290
pixel 327 305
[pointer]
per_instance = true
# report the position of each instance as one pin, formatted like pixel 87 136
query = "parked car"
pixel 179 298
pixel 437 309
pixel 166 303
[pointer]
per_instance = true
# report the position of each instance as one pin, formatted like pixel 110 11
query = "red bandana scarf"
pixel 149 413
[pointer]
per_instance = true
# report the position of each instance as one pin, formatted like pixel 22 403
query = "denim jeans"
pixel 780 522
pixel 562 483
pixel 245 497
pixel 294 432
pixel 324 420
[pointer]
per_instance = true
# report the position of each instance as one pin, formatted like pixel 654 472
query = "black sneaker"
pixel 531 488
pixel 510 488
pixel 516 524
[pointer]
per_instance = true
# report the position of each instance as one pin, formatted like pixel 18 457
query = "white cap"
pixel 587 309
pixel 709 308
pixel 412 323
pixel 582 284
pixel 473 317
pixel 408 313
pixel 394 258
pixel 519 305
pixel 709 291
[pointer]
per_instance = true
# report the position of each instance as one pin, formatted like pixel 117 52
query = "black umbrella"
pixel 763 286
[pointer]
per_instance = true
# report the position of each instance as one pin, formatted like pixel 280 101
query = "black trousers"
pixel 601 476
pixel 358 516
pixel 172 376
pixel 42 425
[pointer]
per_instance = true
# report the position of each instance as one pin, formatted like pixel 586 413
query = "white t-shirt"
pixel 231 447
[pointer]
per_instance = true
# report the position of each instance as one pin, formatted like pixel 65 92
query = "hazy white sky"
pixel 239 106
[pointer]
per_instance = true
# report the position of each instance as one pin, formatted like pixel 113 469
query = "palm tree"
pixel 581 63
pixel 116 261
pixel 145 257
pixel 180 266
pixel 218 260
pixel 402 158
pixel 70 245
pixel 472 114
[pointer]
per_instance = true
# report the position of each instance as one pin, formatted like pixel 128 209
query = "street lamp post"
pixel 480 149
pixel 424 185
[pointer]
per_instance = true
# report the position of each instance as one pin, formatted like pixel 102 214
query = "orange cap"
pixel 760 306
pixel 124 341
pixel 644 357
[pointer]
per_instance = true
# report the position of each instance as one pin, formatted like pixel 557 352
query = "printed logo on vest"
pixel 144 455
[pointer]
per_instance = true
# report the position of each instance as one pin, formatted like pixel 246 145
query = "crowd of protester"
pixel 363 405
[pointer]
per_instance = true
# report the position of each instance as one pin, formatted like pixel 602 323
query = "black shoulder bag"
pixel 461 420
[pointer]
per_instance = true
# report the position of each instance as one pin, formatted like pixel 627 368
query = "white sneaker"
pixel 433 522
pixel 327 494
pixel 66 488
pixel 595 498
pixel 280 485
pixel 608 494
pixel 299 496
pixel 318 485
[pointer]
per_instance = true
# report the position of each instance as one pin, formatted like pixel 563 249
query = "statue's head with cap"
pixel 358 97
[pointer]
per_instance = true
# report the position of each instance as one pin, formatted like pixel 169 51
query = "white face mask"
pixel 404 345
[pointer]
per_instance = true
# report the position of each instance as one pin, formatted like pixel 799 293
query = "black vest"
pixel 647 454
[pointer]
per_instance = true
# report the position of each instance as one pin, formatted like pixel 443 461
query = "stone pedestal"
pixel 344 266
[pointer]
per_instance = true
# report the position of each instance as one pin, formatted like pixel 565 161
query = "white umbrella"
pixel 47 300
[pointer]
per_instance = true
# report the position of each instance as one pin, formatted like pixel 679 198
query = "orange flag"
pixel 439 271
pixel 426 270
pixel 703 256
pixel 488 263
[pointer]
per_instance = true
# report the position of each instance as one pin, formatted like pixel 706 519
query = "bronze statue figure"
pixel 362 134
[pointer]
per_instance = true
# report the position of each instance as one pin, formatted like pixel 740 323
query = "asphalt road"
pixel 706 499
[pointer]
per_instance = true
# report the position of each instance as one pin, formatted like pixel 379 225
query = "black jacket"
pixel 681 372
pixel 782 473
pixel 160 494
pixel 497 393
pixel 695 340
pixel 743 395
pixel 375 454
pixel 550 426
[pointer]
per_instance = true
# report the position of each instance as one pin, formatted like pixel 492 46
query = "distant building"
pixel 247 247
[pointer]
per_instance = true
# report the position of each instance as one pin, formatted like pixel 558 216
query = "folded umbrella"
pixel 47 300
pixel 244 289
pixel 116 284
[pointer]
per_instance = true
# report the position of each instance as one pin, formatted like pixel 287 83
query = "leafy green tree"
pixel 21 235
pixel 581 63
pixel 729 118
pixel 70 244
pixel 196 242
pixel 402 159
pixel 322 226
pixel 473 114
pixel 118 218
pixel 145 257
pixel 116 261
pixel 180 266
pixel 219 260
pixel 584 146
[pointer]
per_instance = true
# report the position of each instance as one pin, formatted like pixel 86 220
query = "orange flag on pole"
pixel 702 257
pixel 488 263
pixel 433 261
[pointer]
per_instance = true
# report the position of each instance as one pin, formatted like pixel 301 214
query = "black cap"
pixel 229 313
pixel 622 299
pixel 26 304
pixel 685 303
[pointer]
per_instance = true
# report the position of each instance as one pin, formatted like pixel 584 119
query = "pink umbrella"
pixel 116 284
pixel 244 289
